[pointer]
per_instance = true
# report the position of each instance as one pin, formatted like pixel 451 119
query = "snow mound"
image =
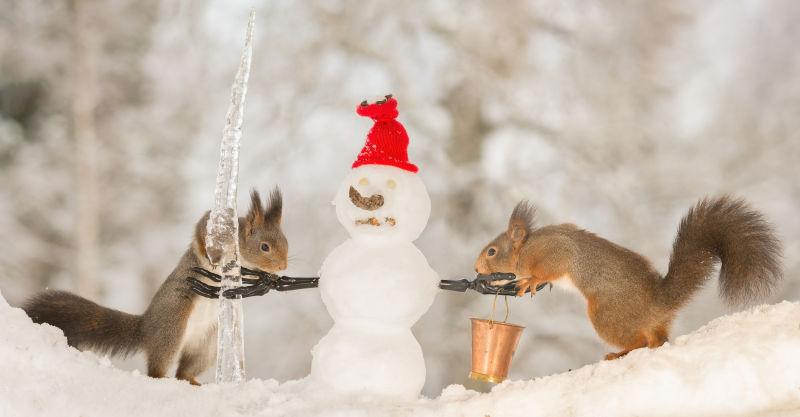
pixel 743 364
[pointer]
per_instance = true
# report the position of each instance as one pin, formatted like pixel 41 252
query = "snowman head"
pixel 383 201
pixel 383 196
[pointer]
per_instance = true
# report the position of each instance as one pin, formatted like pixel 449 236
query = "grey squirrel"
pixel 629 303
pixel 178 324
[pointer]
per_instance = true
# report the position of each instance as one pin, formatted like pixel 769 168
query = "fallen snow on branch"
pixel 746 364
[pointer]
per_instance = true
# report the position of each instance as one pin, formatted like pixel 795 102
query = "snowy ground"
pixel 744 364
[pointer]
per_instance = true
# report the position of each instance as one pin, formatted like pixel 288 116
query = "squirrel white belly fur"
pixel 201 327
pixel 564 283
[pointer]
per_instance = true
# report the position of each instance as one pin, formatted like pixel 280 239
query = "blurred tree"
pixel 85 119
pixel 86 151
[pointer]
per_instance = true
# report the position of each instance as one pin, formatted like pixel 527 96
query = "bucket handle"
pixel 494 305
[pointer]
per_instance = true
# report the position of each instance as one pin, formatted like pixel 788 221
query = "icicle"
pixel 222 242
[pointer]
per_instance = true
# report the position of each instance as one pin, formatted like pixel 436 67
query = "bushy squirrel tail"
pixel 87 325
pixel 728 231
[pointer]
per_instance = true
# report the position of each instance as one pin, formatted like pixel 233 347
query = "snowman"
pixel 377 284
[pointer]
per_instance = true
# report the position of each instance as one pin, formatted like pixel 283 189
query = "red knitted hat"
pixel 387 141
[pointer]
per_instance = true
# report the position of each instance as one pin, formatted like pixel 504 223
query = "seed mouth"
pixel 373 221
pixel 370 203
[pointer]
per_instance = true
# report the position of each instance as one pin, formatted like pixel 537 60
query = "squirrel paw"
pixel 525 284
pixel 616 355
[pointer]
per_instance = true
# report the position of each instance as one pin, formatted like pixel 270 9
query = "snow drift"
pixel 746 363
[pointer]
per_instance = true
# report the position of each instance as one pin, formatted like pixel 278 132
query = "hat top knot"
pixel 384 109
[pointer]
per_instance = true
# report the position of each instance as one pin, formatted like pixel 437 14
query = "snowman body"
pixel 376 285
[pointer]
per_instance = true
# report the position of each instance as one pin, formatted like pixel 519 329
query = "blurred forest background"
pixel 616 116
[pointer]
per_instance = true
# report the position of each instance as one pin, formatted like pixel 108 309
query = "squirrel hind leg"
pixel 196 358
pixel 160 358
pixel 614 355
pixel 640 342
pixel 189 367
pixel 657 336
pixel 649 339
pixel 156 369
pixel 160 355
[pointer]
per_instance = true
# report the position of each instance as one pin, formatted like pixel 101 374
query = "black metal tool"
pixel 483 284
pixel 265 282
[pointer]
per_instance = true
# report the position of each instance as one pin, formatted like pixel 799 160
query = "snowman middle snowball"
pixel 377 284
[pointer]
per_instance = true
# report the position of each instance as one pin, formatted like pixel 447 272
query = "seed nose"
pixel 370 203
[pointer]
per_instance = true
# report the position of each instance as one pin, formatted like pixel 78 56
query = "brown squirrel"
pixel 178 324
pixel 629 303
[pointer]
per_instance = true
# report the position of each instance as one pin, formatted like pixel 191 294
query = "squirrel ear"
pixel 275 207
pixel 520 225
pixel 255 214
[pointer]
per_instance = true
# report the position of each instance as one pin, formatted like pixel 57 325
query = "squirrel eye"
pixel 265 247
pixel 491 251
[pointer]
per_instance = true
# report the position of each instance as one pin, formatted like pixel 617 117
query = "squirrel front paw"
pixel 525 284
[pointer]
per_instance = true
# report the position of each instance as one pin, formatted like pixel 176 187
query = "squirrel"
pixel 178 324
pixel 629 304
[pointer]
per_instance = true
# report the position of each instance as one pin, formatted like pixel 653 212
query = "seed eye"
pixel 265 247
pixel 491 251
pixel 391 184
pixel 363 181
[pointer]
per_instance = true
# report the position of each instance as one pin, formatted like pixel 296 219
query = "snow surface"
pixel 744 364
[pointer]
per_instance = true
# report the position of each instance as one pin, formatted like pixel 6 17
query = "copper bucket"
pixel 493 347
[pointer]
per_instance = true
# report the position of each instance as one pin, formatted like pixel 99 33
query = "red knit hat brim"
pixel 408 166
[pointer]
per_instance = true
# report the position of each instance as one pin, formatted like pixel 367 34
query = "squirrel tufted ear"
pixel 520 225
pixel 256 213
pixel 275 207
